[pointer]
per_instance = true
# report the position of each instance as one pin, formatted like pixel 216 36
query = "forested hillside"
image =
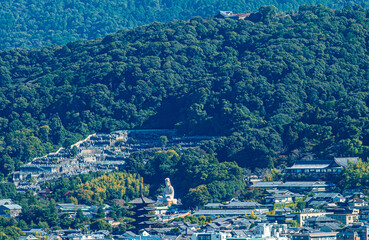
pixel 276 86
pixel 30 24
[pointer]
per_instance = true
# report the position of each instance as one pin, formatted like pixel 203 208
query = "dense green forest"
pixel 33 24
pixel 276 86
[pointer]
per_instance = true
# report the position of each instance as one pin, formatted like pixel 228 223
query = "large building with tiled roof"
pixel 334 166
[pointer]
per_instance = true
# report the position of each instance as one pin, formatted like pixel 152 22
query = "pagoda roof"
pixel 141 200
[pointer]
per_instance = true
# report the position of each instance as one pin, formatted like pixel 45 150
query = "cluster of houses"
pixel 98 152
pixel 297 210
pixel 323 216
pixel 287 211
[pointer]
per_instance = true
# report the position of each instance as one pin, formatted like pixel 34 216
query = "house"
pixel 10 210
pixel 304 216
pixel 35 232
pixel 356 202
pixel 283 211
pixel 71 208
pixel 210 236
pixel 29 237
pixel 345 216
pixel 318 167
pixel 329 197
pixel 230 14
pixel 227 14
pixel 315 236
pixel 357 231
pixel 317 222
pixel 278 198
pixel 330 227
pixel 281 219
pixel 353 193
pixel 281 196
pixel 5 201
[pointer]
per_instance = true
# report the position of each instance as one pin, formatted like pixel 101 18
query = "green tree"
pixel 100 213
pixel 80 217
pixel 100 224
pixel 163 141
pixel 198 196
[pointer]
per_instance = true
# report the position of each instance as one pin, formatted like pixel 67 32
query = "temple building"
pixel 334 166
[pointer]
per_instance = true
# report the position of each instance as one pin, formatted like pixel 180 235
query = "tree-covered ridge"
pixel 277 86
pixel 33 24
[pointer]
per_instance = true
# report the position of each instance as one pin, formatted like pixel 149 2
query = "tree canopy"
pixel 33 24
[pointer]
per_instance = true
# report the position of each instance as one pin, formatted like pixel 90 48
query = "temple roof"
pixel 344 161
pixel 310 164
pixel 141 200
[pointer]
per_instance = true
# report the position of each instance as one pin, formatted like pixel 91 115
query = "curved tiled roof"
pixel 141 200
pixel 344 161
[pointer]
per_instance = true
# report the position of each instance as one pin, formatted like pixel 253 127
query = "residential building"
pixel 210 236
pixel 71 208
pixel 356 202
pixel 357 231
pixel 344 215
pixel 315 236
pixel 10 210
pixel 329 197
pixel 302 217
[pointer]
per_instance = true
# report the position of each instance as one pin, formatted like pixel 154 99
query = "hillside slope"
pixel 276 86
pixel 33 24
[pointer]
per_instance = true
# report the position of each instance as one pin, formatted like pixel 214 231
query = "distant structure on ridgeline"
pixel 230 14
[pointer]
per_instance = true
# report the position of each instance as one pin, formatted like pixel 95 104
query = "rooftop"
pixel 310 164
pixel 141 200
pixel 300 184
pixel 344 161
